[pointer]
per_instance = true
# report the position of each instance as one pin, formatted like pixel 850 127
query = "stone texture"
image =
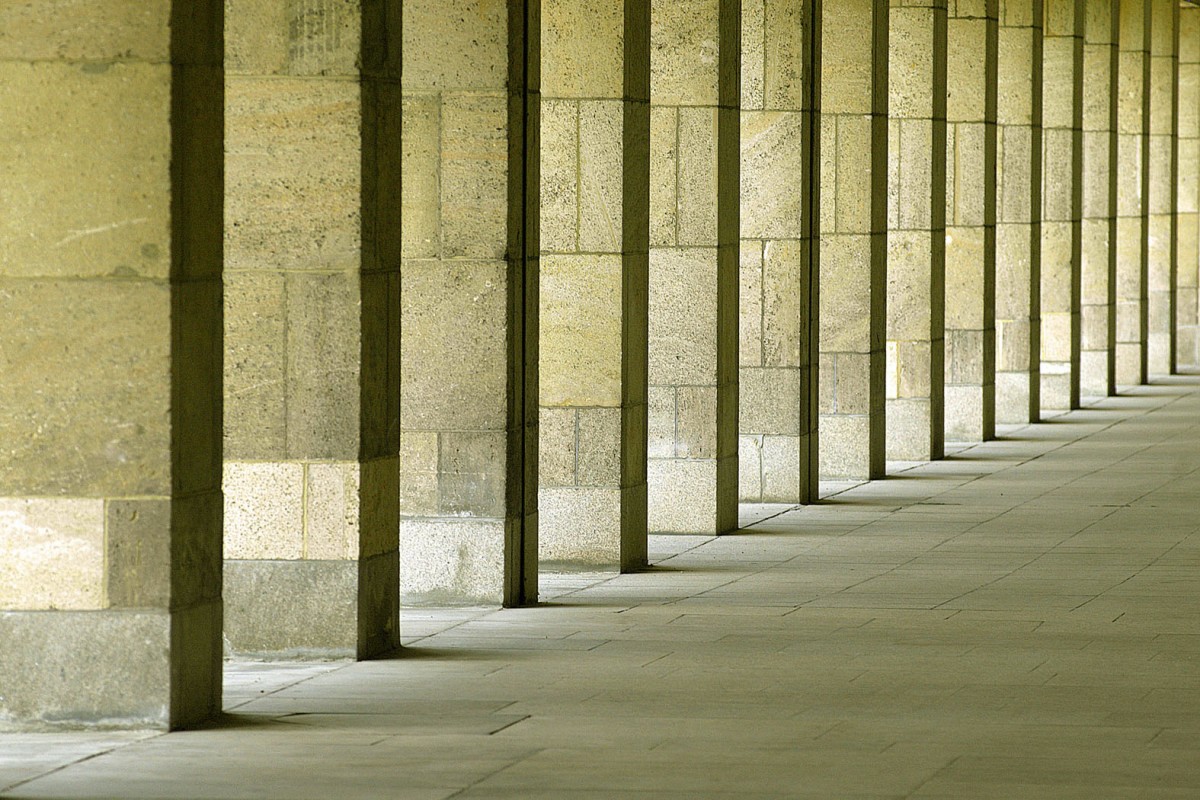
pixel 451 561
pixel 291 609
pixel 52 554
pixel 264 510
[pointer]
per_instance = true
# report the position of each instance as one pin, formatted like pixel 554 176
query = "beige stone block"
pixel 1013 176
pixel 1056 337
pixel 264 510
pixel 1014 75
pixel 1129 256
pixel 138 554
pixel 1094 327
pixel 599 447
pixel 966 73
pixel 682 496
pixel 970 202
pixel 1056 388
pixel 471 474
pixel 1129 361
pixel 255 365
pixel 454 560
pixel 855 183
pixel 421 188
pixel 474 175
pixel 95 31
pixel 828 175
pixel 1012 398
pixel 965 266
pixel 1094 272
pixel 1129 321
pixel 845 293
pixel 784 67
pixel 770 401
pixel 331 506
pixel 785 300
pixel 664 176
pixel 265 37
pixel 580 341
pixel 781 469
pixel 827 384
pixel 557 437
pixel 560 215
pixel 750 295
pixel 845 446
pixel 583 45
pixel 753 55
pixel 661 423
pixel 119 227
pixel 696 421
pixel 52 553
pixel 469 54
pixel 1058 69
pixel 910 266
pixel 580 526
pixel 697 176
pixel 601 176
pixel 419 472
pixel 1130 166
pixel 847 37
pixel 914 179
pixel 909 430
pixel 964 357
pixel 1057 175
pixel 750 476
pixel 1093 373
pixel 853 386
pixel 914 368
pixel 453 361
pixel 684 52
pixel 1013 272
pixel 293 174
pixel 964 414
pixel 1056 266
pixel 84 414
pixel 683 316
pixel 910 61
pixel 773 171
pixel 1012 345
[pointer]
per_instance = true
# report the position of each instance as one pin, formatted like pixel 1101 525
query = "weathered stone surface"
pixel 451 561
pixel 683 497
pixel 455 45
pixel 581 330
pixel 576 526
pixel 52 553
pixel 331 511
pixel 138 554
pixel 291 609
pixel 264 510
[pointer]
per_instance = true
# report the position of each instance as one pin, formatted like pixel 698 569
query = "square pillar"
pixel 916 257
pixel 777 379
pixel 1097 360
pixel 1062 200
pixel 1187 232
pixel 110 313
pixel 1019 212
pixel 972 34
pixel 469 359
pixel 1133 155
pixel 694 230
pixel 853 243
pixel 1161 219
pixel 312 298
pixel 595 176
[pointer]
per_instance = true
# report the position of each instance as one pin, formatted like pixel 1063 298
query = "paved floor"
pixel 1021 620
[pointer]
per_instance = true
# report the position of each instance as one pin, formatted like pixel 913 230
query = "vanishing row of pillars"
pixel 565 273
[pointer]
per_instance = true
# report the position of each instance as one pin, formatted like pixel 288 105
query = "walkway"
pixel 1021 620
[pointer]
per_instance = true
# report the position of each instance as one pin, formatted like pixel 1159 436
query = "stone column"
pixel 1062 200
pixel 853 243
pixel 110 315
pixel 1133 153
pixel 595 177
pixel 470 302
pixel 1187 282
pixel 1161 233
pixel 1098 352
pixel 1019 212
pixel 694 230
pixel 312 298
pixel 916 255
pixel 971 221
pixel 778 317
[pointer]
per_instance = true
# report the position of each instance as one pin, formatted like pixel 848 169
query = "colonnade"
pixel 434 293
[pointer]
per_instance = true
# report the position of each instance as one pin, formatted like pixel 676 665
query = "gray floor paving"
pixel 1020 620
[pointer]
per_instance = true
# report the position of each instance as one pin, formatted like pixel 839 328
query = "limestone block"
pixel 750 293
pixel 750 469
pixel 1056 390
pixel 855 181
pixel 120 226
pixel 964 357
pixel 331 505
pixel 1094 327
pixel 1057 173
pixel 579 526
pixel 309 37
pixel 661 424
pixel 474 175
pixel 419 472
pixel 1012 345
pixel 52 554
pixel 696 421
pixel 115 29
pixel 684 52
pixel 964 277
pixel 1013 257
pixel 137 553
pixel 845 294
pixel 452 365
pixel 914 368
pixel 784 301
pixel 970 201
pixel 909 279
pixel 914 178
pixel 1128 321
pixel 599 447
pixel 664 176
pixel 580 339
pixel 770 401
pixel 582 49
pixel 845 446
pixel 964 413
pixel 255 365
pixel 683 316
pixel 908 429
pixel 601 175
pixel 853 382
pixel 780 469
pixel 295 609
pixel 697 176
pixel 847 57
pixel 1012 397
pixel 1129 256
pixel 1129 364
pixel 1013 155
pixel 420 190
pixel 772 170
pixel 967 77
pixel 560 176
pixel 459 561
pixel 456 45
pixel 827 384
pixel 754 36
pixel 783 54
pixel 1056 336
pixel 1094 277
pixel 682 496
pixel 119 372
pixel 1058 54
pixel 1056 266
pixel 264 510
pixel 1014 57
pixel 910 62
pixel 557 437
pixel 471 473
